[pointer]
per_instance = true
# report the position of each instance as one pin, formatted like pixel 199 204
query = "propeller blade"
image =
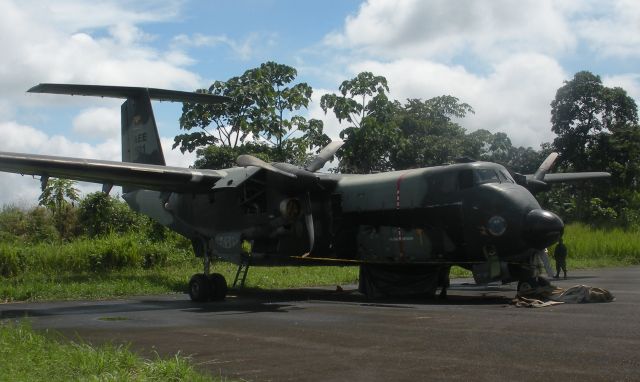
pixel 545 167
pixel 323 156
pixel 249 160
pixel 308 219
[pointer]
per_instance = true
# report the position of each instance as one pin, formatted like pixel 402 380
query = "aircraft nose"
pixel 542 228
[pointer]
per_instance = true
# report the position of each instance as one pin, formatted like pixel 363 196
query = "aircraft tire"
pixel 530 284
pixel 199 288
pixel 218 287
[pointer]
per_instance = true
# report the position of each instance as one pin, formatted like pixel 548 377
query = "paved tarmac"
pixel 324 335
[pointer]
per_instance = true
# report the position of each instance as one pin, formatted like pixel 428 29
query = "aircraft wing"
pixel 136 175
pixel 574 176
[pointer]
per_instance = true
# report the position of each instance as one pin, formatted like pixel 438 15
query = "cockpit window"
pixel 507 177
pixel 484 175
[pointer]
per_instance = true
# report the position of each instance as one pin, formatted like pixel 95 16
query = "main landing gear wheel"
pixel 211 288
pixel 531 284
pixel 218 287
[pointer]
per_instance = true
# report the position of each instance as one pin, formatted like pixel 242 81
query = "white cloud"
pixel 79 42
pixel 99 122
pixel 443 29
pixel 514 98
pixel 244 49
pixel 611 28
pixel 174 157
pixel 331 126
pixel 629 82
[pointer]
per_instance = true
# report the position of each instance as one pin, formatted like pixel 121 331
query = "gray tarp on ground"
pixel 549 295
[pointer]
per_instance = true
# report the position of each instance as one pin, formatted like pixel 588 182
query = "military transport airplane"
pixel 403 228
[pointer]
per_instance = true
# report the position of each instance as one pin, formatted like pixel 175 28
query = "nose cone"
pixel 542 228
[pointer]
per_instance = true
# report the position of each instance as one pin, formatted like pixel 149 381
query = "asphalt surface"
pixel 325 335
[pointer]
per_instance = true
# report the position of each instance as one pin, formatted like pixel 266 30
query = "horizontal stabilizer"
pixel 137 175
pixel 128 92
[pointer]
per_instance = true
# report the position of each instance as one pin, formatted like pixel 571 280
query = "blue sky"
pixel 504 57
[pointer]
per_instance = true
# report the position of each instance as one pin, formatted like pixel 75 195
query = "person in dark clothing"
pixel 560 254
pixel 443 281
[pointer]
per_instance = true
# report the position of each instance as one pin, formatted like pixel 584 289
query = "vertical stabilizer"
pixel 140 139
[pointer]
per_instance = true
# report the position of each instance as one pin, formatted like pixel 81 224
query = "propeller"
pixel 536 182
pixel 308 219
pixel 249 160
pixel 545 167
pixel 323 156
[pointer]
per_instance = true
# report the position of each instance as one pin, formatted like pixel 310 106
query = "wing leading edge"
pixel 137 175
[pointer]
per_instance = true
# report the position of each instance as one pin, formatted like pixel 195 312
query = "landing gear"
pixel 211 288
pixel 529 285
pixel 207 286
pixel 217 287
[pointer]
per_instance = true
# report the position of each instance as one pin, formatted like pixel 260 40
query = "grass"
pixel 26 355
pixel 596 248
pixel 119 266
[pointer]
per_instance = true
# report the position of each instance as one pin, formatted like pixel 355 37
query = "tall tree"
pixel 371 133
pixel 583 113
pixel 262 111
pixel 597 128
pixel 428 134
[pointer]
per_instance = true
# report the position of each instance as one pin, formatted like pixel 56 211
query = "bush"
pixel 100 214
pixel 40 226
pixel 11 263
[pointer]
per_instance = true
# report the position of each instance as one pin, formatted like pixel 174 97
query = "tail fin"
pixel 140 139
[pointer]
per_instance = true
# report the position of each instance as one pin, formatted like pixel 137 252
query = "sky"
pixel 506 58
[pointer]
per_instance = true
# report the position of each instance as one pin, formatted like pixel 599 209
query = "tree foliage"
pixel 261 113
pixel 597 129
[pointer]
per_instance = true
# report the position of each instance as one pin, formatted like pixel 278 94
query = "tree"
pixel 372 133
pixel 428 134
pixel 57 193
pixel 583 114
pixel 261 112
pixel 59 197
pixel 101 214
pixel 597 128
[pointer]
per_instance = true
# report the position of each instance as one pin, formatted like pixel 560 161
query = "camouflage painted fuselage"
pixel 435 215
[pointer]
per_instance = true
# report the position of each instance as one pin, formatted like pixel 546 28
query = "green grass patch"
pixel 26 355
pixel 126 265
pixel 588 247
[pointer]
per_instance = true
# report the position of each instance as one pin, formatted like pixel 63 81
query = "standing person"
pixel 443 281
pixel 560 254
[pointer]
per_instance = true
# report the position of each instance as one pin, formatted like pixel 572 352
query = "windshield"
pixel 485 175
